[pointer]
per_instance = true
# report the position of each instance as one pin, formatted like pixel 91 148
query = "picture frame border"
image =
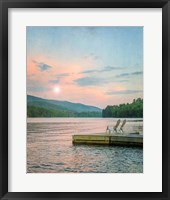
pixel 4 5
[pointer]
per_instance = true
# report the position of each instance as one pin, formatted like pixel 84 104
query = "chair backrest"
pixel 124 122
pixel 117 124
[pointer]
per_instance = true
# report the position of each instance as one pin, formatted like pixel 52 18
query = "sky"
pixel 96 66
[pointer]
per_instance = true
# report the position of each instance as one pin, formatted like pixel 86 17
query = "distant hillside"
pixel 38 107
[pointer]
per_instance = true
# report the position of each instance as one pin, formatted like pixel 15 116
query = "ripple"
pixel 50 149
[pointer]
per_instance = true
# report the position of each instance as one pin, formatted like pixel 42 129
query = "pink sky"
pixel 89 71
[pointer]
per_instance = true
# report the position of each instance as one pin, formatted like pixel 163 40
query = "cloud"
pixel 121 81
pixel 59 77
pixel 62 75
pixel 89 81
pixel 37 89
pixel 92 56
pixel 54 81
pixel 124 92
pixel 42 66
pixel 129 74
pixel 110 68
pixel 137 73
pixel 88 71
pixel 122 75
pixel 105 69
pixel 35 86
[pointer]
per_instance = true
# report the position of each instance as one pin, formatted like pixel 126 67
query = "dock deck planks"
pixel 131 139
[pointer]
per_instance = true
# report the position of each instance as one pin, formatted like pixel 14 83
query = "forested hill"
pixel 131 110
pixel 39 107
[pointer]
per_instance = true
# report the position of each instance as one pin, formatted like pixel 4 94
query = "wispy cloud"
pixel 92 56
pixel 37 89
pixel 35 86
pixel 90 81
pixel 105 69
pixel 89 71
pixel 124 92
pixel 62 75
pixel 42 66
pixel 137 73
pixel 95 80
pixel 121 81
pixel 58 78
pixel 54 81
pixel 129 74
pixel 110 68
pixel 122 75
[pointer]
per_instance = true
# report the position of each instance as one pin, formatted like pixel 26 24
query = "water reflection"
pixel 50 149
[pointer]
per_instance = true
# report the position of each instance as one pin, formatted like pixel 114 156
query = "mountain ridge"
pixel 60 105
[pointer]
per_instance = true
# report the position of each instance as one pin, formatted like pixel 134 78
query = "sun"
pixel 57 89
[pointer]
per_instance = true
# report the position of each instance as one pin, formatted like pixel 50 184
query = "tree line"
pixel 35 111
pixel 131 110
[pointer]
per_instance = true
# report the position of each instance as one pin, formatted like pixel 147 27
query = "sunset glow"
pixel 57 89
pixel 96 66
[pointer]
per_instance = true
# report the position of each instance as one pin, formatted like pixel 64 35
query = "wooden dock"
pixel 131 139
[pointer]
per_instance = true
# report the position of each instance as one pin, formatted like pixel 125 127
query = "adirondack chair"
pixel 121 127
pixel 116 126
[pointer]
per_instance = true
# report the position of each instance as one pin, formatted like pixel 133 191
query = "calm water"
pixel 50 149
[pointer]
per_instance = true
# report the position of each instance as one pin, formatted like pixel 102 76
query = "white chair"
pixel 114 128
pixel 121 128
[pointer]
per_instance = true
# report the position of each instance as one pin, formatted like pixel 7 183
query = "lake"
pixel 50 148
